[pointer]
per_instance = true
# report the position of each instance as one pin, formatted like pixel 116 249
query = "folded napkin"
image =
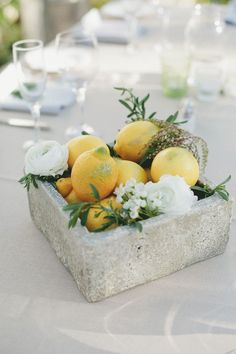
pixel 118 9
pixel 55 99
pixel 106 31
pixel 230 15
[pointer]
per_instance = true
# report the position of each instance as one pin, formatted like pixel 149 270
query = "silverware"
pixel 23 123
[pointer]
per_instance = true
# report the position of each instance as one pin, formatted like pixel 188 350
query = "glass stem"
pixel 35 111
pixel 81 98
pixel 133 22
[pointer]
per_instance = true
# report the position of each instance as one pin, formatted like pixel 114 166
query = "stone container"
pixel 107 263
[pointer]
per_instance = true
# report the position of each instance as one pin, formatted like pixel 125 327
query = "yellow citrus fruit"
pixel 132 140
pixel 95 167
pixel 80 144
pixel 72 198
pixel 128 170
pixel 64 186
pixel 175 161
pixel 93 222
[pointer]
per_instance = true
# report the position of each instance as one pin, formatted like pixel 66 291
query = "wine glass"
pixel 77 65
pixel 31 80
pixel 131 10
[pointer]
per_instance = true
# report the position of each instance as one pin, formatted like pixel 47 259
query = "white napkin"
pixel 54 101
pixel 230 15
pixel 106 31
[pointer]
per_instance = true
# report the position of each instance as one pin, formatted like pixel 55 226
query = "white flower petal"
pixel 47 158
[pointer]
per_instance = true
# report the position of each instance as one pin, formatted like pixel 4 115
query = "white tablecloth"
pixel 41 310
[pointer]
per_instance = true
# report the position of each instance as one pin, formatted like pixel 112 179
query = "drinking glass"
pixel 208 78
pixel 175 65
pixel 77 65
pixel 131 10
pixel 31 81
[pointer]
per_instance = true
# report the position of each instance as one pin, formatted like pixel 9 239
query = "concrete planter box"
pixel 104 264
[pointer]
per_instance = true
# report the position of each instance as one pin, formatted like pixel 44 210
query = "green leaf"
pixel 71 207
pixel 225 181
pixel 95 192
pixel 182 122
pixel 145 99
pixel 152 115
pixel 223 194
pixel 84 216
pixel 124 103
pixel 104 226
pixel 172 118
pixel 200 189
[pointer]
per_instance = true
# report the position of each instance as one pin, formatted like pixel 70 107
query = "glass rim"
pixel 19 45
pixel 89 35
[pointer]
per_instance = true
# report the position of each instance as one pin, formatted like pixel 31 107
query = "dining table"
pixel 192 311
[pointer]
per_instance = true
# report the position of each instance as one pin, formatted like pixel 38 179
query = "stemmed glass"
pixel 31 81
pixel 131 9
pixel 77 65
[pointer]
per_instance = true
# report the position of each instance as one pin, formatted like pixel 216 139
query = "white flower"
pixel 47 158
pixel 171 194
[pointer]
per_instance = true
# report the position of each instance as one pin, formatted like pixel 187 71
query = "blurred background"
pixel 45 18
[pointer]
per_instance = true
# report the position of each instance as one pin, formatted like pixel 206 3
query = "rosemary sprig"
pixel 29 180
pixel 203 190
pixel 135 105
pixel 173 119
pixel 95 192
pixel 112 216
pixel 78 211
pixel 137 109
pixel 32 180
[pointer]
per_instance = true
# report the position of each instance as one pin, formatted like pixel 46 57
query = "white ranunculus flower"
pixel 172 195
pixel 47 158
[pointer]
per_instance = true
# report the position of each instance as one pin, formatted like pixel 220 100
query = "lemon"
pixel 64 186
pixel 80 144
pixel 94 222
pixel 128 170
pixel 95 167
pixel 72 198
pixel 175 161
pixel 132 140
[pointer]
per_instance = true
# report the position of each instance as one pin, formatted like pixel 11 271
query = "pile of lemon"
pixel 91 164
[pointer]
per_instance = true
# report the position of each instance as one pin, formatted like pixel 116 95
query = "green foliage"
pixel 135 105
pixel 220 2
pixel 31 180
pixel 78 211
pixel 10 30
pixel 203 190
pixel 113 216
pixel 98 3
pixel 137 108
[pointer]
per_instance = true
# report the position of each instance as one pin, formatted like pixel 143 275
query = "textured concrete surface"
pixel 107 263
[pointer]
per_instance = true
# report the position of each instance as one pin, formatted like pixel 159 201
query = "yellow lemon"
pixel 175 161
pixel 132 140
pixel 128 170
pixel 80 144
pixel 97 217
pixel 72 198
pixel 64 186
pixel 95 167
